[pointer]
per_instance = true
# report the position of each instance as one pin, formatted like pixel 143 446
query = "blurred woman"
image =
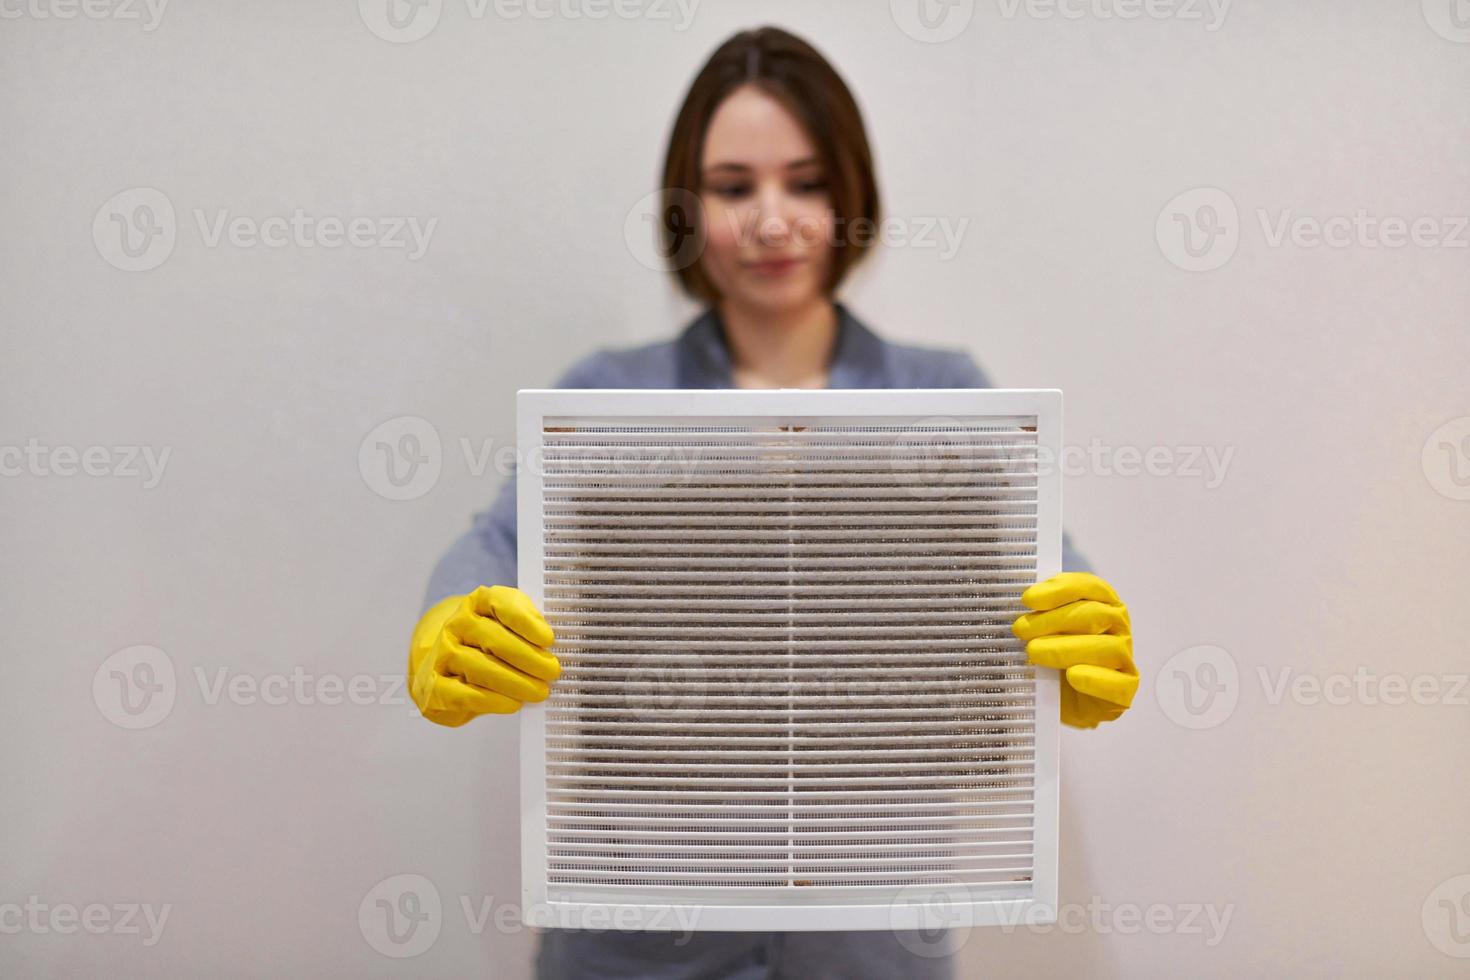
pixel 770 200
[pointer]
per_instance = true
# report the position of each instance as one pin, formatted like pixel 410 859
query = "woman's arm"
pixel 486 553
pixel 483 555
pixel 480 643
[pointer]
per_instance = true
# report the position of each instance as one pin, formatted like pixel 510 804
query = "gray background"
pixel 1332 833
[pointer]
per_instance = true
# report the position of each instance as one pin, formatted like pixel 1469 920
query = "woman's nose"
pixel 773 226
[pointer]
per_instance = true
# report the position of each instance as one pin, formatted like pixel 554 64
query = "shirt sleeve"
pixel 486 553
pixel 965 373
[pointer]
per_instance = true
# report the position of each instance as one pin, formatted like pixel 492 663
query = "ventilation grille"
pixel 787 654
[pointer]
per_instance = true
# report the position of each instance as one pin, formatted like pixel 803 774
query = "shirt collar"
pixel 703 355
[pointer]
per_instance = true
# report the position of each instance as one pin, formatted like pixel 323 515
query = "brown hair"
pixel 792 71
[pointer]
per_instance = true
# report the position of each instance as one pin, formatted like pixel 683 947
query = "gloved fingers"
pixel 1082 616
pixel 1065 587
pixel 492 637
pixel 513 609
pixel 1061 652
pixel 1100 710
pixel 488 672
pixel 1113 686
pixel 1072 712
pixel 1086 711
pixel 453 694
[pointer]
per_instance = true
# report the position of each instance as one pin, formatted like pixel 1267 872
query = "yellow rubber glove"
pixel 482 653
pixel 1080 626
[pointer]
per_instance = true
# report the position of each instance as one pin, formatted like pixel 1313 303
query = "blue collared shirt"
pixel 700 358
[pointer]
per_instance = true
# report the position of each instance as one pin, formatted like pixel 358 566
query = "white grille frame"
pixel 937 904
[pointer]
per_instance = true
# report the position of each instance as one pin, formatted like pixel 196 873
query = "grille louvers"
pixel 789 676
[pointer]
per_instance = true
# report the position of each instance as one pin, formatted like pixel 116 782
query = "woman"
pixel 771 142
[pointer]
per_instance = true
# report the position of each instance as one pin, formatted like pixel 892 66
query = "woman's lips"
pixel 773 267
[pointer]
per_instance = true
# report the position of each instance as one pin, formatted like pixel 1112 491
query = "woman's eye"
pixel 814 186
pixel 731 191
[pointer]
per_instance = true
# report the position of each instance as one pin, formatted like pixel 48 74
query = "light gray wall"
pixel 1332 835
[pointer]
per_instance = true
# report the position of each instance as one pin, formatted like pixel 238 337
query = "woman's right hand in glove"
pixel 482 653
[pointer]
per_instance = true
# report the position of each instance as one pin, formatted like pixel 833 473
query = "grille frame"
pixel 942 903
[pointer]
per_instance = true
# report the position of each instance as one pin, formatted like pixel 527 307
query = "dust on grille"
pixel 787 653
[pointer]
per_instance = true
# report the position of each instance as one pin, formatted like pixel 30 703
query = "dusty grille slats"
pixel 787 656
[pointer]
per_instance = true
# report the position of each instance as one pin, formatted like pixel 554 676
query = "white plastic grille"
pixel 787 653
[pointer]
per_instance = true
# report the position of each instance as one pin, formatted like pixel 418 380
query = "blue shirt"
pixel 700 358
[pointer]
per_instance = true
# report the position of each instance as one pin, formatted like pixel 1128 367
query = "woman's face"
pixel 767 209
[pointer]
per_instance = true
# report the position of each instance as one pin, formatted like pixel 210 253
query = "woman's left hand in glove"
pixel 1078 625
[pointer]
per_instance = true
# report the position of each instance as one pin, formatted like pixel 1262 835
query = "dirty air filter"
pixel 791 698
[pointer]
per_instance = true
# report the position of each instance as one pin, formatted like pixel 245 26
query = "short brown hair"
pixel 792 71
